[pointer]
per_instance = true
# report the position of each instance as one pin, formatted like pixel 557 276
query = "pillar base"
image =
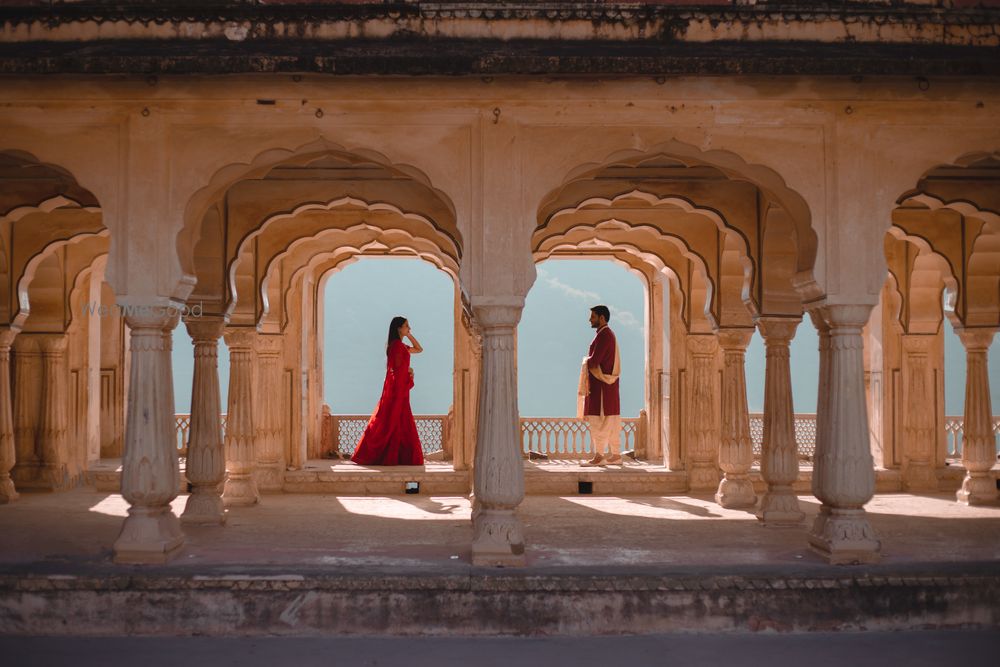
pixel 920 477
pixel 844 537
pixel 779 507
pixel 150 535
pixel 703 477
pixel 241 491
pixel 498 539
pixel 736 492
pixel 269 477
pixel 978 488
pixel 8 493
pixel 204 506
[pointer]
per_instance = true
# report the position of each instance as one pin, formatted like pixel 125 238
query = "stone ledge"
pixel 491 602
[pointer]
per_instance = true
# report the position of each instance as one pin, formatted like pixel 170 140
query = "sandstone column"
pixel 779 461
pixel 241 489
pixel 498 538
pixel 843 474
pixel 735 452
pixel 703 427
pixel 27 399
pixel 150 475
pixel 270 465
pixel 206 459
pixel 918 400
pixel 53 422
pixel 978 441
pixel 7 453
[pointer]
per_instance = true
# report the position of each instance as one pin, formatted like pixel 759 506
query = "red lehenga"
pixel 391 438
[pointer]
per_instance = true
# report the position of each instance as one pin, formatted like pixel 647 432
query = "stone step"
pixel 479 601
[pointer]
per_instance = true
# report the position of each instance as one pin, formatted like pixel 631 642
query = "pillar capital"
pixel 150 317
pixel 703 345
pixel 7 336
pixel 778 330
pixel 978 339
pixel 269 344
pixel 734 339
pixel 843 317
pixel 205 329
pixel 242 338
pixel 497 313
pixel 918 344
pixel 52 343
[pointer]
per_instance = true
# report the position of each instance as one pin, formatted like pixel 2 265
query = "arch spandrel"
pixel 50 279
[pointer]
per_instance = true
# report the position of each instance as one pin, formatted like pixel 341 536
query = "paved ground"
pixel 433 533
pixel 875 649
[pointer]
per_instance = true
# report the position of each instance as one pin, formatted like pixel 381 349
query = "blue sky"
pixel 552 338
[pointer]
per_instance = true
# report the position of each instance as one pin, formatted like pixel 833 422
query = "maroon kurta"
pixel 601 395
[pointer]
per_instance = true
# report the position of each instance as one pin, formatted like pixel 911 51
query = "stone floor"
pixel 433 533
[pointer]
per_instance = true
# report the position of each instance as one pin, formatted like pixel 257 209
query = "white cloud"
pixel 626 318
pixel 569 290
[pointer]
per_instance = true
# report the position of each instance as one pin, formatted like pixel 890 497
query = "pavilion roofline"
pixel 414 56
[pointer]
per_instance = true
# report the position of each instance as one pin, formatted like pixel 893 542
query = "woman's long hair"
pixel 394 326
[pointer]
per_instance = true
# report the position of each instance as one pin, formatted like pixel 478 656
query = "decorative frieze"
pixel 779 461
pixel 206 460
pixel 978 441
pixel 735 451
pixel 498 536
pixel 150 474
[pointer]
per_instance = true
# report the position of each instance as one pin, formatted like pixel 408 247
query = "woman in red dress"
pixel 391 439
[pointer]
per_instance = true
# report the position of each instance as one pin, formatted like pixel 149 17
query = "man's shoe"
pixel 595 462
pixel 615 460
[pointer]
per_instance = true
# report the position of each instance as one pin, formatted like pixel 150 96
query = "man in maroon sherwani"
pixel 601 407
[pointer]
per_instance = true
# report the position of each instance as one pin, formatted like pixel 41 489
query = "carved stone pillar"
pixel 843 474
pixel 978 441
pixel 53 444
pixel 735 451
pixel 150 475
pixel 498 537
pixel 27 401
pixel 701 413
pixel 779 461
pixel 7 452
pixel 206 459
pixel 241 489
pixel 270 465
pixel 919 414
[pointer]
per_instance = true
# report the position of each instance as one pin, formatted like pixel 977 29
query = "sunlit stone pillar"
pixel 978 441
pixel 206 459
pixel 498 537
pixel 843 474
pixel 150 475
pixel 919 414
pixel 241 489
pixel 53 421
pixel 779 461
pixel 270 467
pixel 735 452
pixel 7 452
pixel 701 412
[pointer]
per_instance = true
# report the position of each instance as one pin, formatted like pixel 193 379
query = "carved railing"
pixel 567 437
pixel 346 431
pixel 182 424
pixel 805 435
pixel 954 430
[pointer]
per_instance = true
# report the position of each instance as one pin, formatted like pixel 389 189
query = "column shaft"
pixel 206 459
pixel 843 474
pixel 779 461
pixel 150 474
pixel 918 421
pixel 702 411
pixel 736 451
pixel 270 464
pixel 978 440
pixel 52 435
pixel 7 451
pixel 241 489
pixel 498 537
